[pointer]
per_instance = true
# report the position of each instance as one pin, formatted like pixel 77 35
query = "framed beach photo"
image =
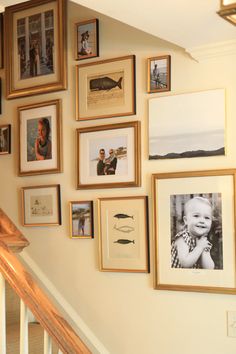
pixel 87 39
pixel 187 125
pixel 123 234
pixel 40 138
pixel 106 88
pixel 194 223
pixel 5 139
pixel 41 205
pixel 159 73
pixel 35 54
pixel 108 156
pixel 1 41
pixel 81 219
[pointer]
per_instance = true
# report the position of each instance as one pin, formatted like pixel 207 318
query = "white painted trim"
pixel 211 51
pixel 82 329
pixel 3 347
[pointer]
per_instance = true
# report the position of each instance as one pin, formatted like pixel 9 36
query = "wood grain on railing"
pixel 42 308
pixel 10 235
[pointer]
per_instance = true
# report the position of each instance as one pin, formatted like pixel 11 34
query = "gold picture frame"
pixel 106 88
pixel 194 226
pixel 40 143
pixel 1 41
pixel 123 234
pixel 41 205
pixel 108 156
pixel 5 139
pixel 158 73
pixel 35 49
pixel 81 219
pixel 87 39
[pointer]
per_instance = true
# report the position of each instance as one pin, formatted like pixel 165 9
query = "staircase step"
pixel 36 336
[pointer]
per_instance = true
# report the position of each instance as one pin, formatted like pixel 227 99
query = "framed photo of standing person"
pixel 81 219
pixel 40 138
pixel 110 88
pixel 159 74
pixel 35 49
pixel 5 139
pixel 108 156
pixel 87 40
pixel 194 221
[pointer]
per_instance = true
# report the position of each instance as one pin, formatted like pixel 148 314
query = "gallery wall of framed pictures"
pixel 111 139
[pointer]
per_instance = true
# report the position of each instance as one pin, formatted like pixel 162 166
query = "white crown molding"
pixel 213 50
pixel 82 329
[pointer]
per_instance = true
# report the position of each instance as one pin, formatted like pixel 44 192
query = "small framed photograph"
pixel 194 220
pixel 1 41
pixel 159 74
pixel 35 47
pixel 40 138
pixel 110 88
pixel 123 234
pixel 108 156
pixel 5 139
pixel 81 219
pixel 41 205
pixel 87 39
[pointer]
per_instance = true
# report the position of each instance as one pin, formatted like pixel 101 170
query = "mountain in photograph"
pixel 196 153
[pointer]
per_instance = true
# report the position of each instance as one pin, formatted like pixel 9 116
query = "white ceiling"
pixel 187 23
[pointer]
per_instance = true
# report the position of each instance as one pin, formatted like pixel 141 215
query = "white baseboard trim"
pixel 213 50
pixel 82 329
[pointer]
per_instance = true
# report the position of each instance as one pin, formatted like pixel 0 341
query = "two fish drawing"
pixel 124 228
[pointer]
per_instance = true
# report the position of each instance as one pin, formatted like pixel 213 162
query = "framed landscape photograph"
pixel 123 234
pixel 41 205
pixel 187 125
pixel 159 74
pixel 81 219
pixel 108 156
pixel 106 88
pixel 35 47
pixel 40 138
pixel 87 39
pixel 194 222
pixel 5 139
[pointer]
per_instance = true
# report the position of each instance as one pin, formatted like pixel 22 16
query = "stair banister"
pixel 31 294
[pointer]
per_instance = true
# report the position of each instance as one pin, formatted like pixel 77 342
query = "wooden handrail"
pixel 41 307
pixel 10 235
pixel 12 240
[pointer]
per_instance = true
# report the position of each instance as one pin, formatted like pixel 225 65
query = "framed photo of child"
pixel 194 221
pixel 40 138
pixel 35 48
pixel 87 39
pixel 81 219
pixel 159 73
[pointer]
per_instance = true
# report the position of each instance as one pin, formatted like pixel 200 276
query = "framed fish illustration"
pixel 123 234
pixel 106 88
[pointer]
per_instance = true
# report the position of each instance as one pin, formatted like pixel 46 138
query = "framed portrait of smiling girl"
pixel 194 224
pixel 40 138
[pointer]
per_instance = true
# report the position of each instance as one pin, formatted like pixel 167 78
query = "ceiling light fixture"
pixel 228 10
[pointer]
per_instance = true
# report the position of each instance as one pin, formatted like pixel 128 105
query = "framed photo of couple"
pixel 108 156
pixel 35 49
pixel 194 223
pixel 40 138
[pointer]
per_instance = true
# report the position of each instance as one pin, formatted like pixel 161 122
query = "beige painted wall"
pixel 123 310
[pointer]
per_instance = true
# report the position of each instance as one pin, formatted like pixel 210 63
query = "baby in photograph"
pixel 191 247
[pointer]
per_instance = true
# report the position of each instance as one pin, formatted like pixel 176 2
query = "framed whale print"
pixel 123 234
pixel 35 49
pixel 108 156
pixel 106 88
